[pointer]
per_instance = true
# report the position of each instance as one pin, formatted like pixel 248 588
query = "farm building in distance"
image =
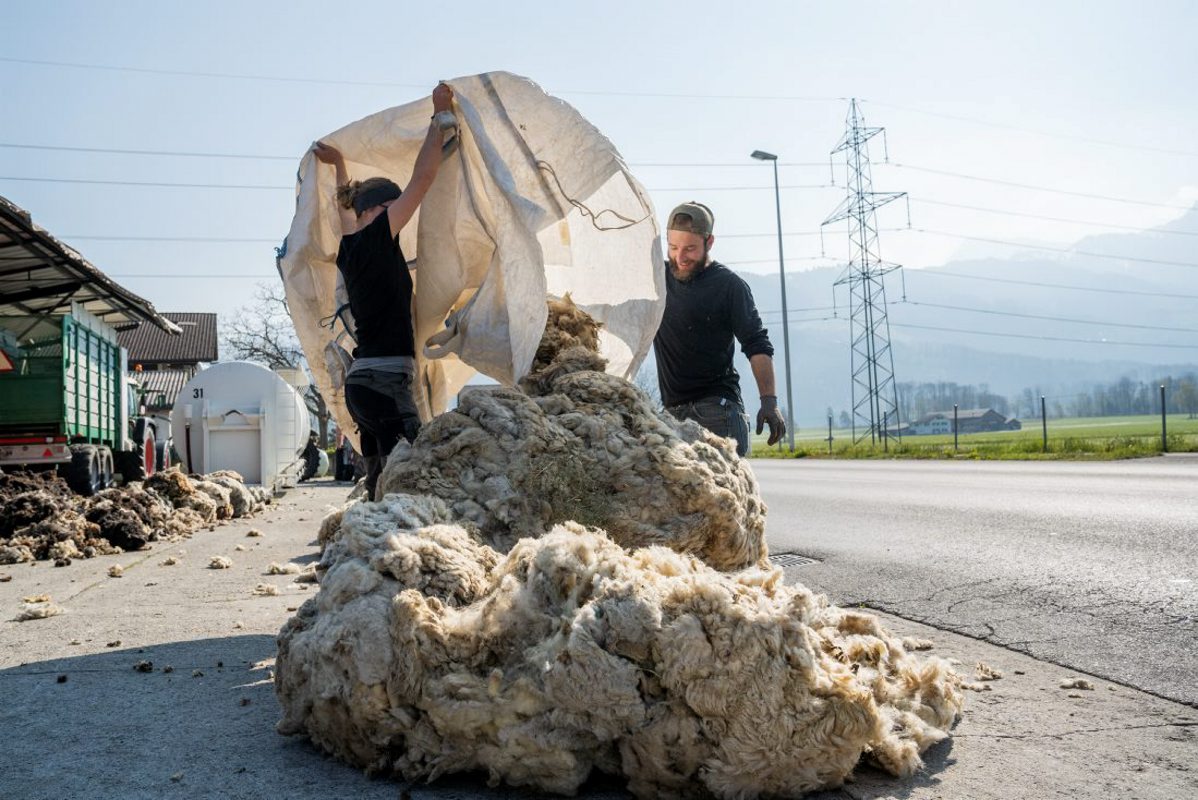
pixel 969 420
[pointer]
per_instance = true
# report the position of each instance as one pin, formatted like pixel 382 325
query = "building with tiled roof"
pixel 163 364
pixel 155 349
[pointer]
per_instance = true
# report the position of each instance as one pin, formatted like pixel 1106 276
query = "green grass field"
pixel 1098 438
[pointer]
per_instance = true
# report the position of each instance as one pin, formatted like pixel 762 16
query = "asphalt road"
pixel 1093 566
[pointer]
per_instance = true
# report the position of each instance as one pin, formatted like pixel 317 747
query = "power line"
pixel 130 152
pixel 1069 251
pixel 986 311
pixel 1043 338
pixel 232 239
pixel 1035 131
pixel 734 262
pixel 156 184
pixel 160 184
pixel 943 274
pixel 1073 320
pixel 260 157
pixel 793 233
pixel 727 164
pixel 336 82
pixel 192 275
pixel 793 310
pixel 218 239
pixel 1111 198
pixel 598 92
pixel 996 312
pixel 1052 219
pixel 742 188
pixel 196 74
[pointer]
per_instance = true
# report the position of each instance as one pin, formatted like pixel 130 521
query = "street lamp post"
pixel 761 155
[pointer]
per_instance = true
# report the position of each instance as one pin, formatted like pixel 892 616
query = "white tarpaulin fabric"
pixel 535 202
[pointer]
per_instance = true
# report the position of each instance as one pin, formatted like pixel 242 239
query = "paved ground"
pixel 109 731
pixel 1089 565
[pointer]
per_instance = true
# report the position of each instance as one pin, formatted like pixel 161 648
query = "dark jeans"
pixel 721 416
pixel 382 405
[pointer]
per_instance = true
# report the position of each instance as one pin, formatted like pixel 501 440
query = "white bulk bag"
pixel 534 202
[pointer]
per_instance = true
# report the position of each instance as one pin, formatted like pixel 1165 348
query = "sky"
pixel 1086 98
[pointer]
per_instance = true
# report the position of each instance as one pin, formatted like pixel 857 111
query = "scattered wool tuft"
pixel 219 562
pixel 169 561
pixel 307 575
pixel 290 568
pixel 266 590
pixel 241 548
pixel 253 533
pixel 116 571
pixel 915 643
pixel 985 672
pixel 38 609
pixel 1077 683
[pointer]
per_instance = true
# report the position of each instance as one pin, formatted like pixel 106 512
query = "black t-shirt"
pixel 380 290
pixel 694 345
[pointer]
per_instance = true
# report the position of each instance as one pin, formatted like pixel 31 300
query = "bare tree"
pixel 1187 397
pixel 262 331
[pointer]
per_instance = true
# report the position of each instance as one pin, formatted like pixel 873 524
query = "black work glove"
pixel 770 415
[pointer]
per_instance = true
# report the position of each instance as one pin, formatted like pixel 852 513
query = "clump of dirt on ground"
pixel 41 518
pixel 564 579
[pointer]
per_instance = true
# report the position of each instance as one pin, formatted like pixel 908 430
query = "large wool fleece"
pixel 428 652
pixel 577 444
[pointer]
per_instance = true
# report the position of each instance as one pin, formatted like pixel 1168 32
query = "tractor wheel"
pixel 84 473
pixel 162 456
pixel 107 468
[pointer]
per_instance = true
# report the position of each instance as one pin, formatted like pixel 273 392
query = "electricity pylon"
pixel 874 393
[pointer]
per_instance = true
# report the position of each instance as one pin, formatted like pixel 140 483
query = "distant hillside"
pixel 1139 294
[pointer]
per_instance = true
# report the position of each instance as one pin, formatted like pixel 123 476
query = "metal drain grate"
pixel 791 560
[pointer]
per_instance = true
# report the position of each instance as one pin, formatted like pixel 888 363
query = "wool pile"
pixel 41 518
pixel 577 444
pixel 559 580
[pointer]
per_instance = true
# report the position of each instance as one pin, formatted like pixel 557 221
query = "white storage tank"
pixel 241 416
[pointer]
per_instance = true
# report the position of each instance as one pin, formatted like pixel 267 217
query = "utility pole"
pixel 761 155
pixel 874 393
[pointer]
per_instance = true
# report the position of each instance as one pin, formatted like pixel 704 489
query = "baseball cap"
pixel 701 222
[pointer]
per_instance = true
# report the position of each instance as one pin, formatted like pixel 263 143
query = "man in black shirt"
pixel 707 306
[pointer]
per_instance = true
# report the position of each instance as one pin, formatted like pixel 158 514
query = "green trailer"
pixel 66 399
pixel 66 402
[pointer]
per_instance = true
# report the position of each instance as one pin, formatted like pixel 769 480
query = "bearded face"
pixel 688 254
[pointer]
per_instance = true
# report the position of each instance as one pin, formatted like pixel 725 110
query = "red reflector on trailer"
pixel 48 454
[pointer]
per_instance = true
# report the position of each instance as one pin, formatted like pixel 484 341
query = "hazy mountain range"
pixel 954 296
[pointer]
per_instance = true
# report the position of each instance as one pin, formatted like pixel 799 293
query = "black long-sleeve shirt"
pixel 380 290
pixel 694 345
